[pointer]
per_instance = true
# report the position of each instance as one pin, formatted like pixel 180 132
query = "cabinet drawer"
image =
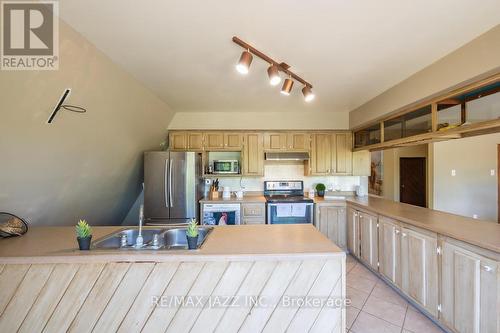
pixel 254 220
pixel 253 210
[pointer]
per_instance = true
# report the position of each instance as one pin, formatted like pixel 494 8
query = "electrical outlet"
pixel 453 172
pixel 492 172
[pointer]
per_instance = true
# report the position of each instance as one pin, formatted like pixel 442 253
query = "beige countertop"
pixel 233 199
pixel 480 233
pixel 58 244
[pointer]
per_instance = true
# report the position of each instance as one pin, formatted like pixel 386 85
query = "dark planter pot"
pixel 321 193
pixel 192 242
pixel 84 243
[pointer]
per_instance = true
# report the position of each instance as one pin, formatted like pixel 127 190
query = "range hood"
pixel 291 156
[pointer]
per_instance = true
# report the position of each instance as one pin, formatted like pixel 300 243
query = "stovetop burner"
pixel 287 199
pixel 285 191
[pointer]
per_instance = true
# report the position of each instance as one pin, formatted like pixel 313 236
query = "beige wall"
pixel 480 56
pixel 473 190
pixel 260 120
pixel 83 165
pixel 390 185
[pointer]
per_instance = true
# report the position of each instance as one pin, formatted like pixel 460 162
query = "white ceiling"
pixel 350 50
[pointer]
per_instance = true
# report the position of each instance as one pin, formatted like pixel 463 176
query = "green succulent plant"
pixel 192 229
pixel 320 187
pixel 83 229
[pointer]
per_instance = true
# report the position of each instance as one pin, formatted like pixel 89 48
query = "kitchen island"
pixel 248 278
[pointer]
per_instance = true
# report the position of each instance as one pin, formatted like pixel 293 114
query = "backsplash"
pixel 290 172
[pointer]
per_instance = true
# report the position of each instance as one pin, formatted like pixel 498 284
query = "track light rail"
pixel 281 66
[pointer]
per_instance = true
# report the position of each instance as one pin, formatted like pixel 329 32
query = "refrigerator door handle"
pixel 165 182
pixel 170 184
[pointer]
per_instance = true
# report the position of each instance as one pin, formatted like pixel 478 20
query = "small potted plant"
pixel 83 235
pixel 192 235
pixel 320 189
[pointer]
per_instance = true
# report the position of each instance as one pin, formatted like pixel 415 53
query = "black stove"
pixel 286 204
pixel 285 191
pixel 287 198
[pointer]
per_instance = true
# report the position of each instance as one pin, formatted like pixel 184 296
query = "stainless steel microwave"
pixel 226 166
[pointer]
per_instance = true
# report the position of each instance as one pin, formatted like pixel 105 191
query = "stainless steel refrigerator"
pixel 173 186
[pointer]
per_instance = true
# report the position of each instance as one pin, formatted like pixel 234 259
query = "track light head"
pixel 287 87
pixel 308 94
pixel 274 75
pixel 244 62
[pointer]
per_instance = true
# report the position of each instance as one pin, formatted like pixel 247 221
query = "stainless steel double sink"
pixel 168 238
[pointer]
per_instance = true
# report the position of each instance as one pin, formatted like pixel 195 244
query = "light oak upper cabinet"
pixel 390 249
pixel 361 163
pixel 368 234
pixel 419 267
pixel 253 155
pixel 353 232
pixel 233 141
pixel 214 140
pixel 331 222
pixel 298 142
pixel 194 141
pixel 469 290
pixel 177 141
pixel 321 154
pixel 342 153
pixel 275 141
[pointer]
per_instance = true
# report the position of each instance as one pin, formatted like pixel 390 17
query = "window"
pixel 483 104
pixel 367 136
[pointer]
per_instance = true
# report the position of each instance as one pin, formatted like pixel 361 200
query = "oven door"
pixel 289 213
pixel 221 214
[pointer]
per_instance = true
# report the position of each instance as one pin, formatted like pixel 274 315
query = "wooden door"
pixel 419 268
pixel 275 141
pixel 469 291
pixel 368 233
pixel 352 232
pixel 321 154
pixel 361 163
pixel 332 223
pixel 194 141
pixel 389 250
pixel 232 141
pixel 342 153
pixel 341 227
pixel 298 142
pixel 412 181
pixel 214 140
pixel 177 141
pixel 253 155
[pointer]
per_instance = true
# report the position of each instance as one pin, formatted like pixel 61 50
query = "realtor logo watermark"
pixel 30 35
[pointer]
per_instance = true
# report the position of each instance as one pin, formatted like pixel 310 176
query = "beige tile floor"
pixel 376 308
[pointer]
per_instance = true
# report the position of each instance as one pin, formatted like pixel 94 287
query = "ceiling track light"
pixel 287 86
pixel 308 93
pixel 274 75
pixel 244 62
pixel 273 70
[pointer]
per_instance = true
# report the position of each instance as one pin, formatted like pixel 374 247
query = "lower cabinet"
pixel 469 290
pixel 253 213
pixel 456 283
pixel 419 267
pixel 390 250
pixel 368 234
pixel 331 221
pixel 353 232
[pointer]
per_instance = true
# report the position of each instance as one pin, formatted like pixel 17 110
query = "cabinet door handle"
pixel 487 268
pixel 404 235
